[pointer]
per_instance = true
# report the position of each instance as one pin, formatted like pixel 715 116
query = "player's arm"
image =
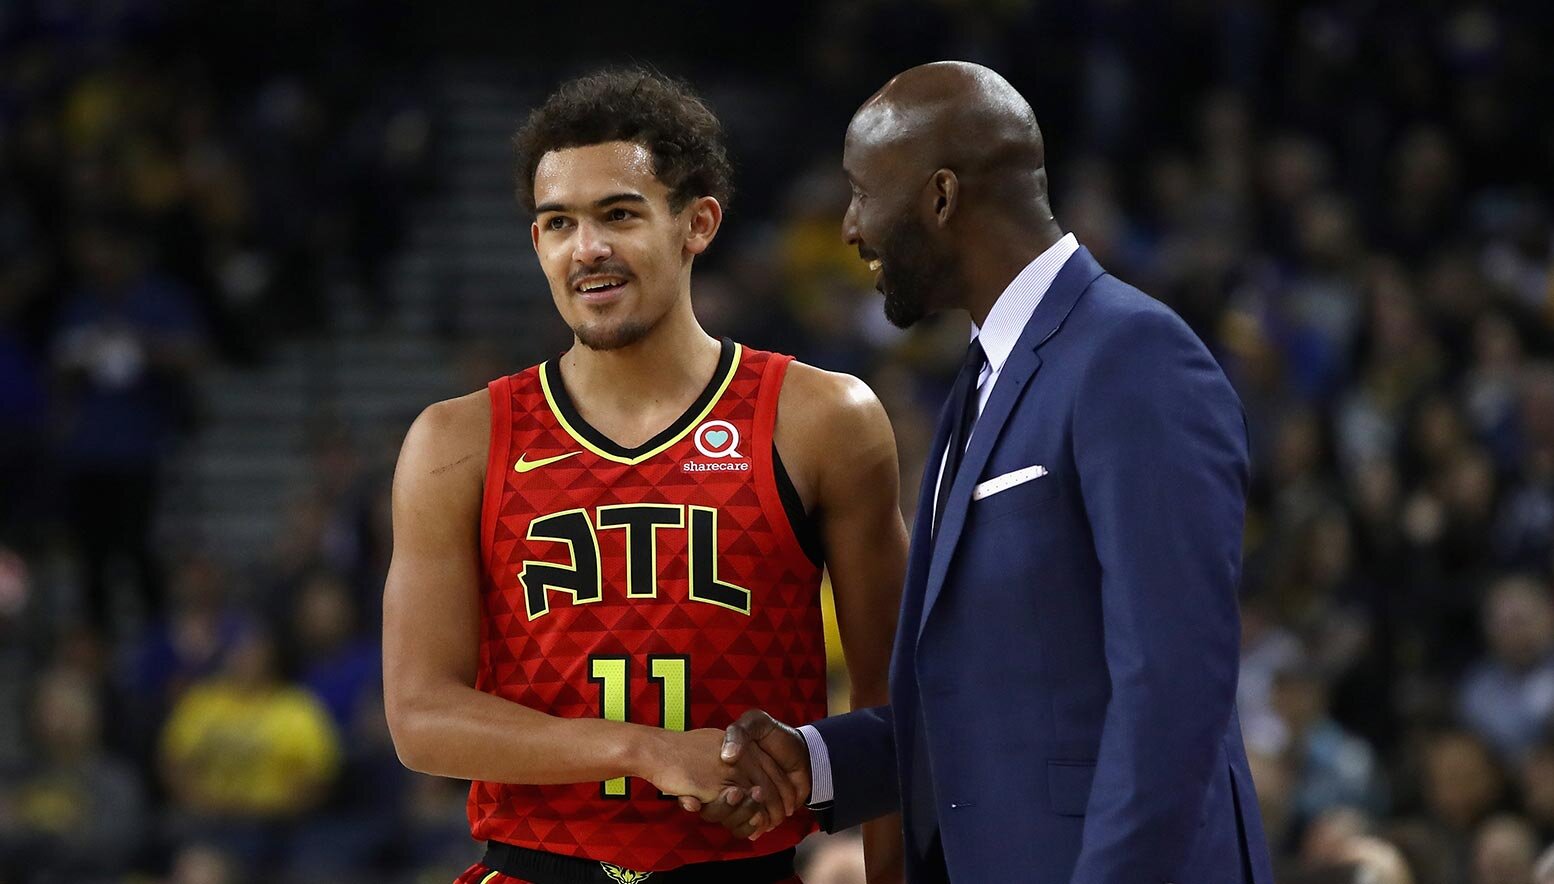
pixel 850 477
pixel 439 722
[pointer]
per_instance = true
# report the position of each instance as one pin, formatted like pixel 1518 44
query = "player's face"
pixel 914 270
pixel 617 258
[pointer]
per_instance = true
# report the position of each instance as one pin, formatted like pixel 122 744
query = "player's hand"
pixel 757 733
pixel 692 765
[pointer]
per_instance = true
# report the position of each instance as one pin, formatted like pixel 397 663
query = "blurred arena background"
pixel 243 243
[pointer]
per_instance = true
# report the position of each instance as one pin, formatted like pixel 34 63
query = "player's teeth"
pixel 875 265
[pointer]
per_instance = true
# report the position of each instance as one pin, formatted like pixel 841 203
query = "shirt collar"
pixel 1014 307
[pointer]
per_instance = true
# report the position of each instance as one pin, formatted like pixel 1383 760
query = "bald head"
pixel 953 115
pixel 949 188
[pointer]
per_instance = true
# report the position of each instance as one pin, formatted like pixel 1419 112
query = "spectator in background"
pixel 1275 782
pixel 1537 789
pixel 193 638
pixel 1461 787
pixel 1329 835
pixel 1504 852
pixel 1361 859
pixel 246 754
pixel 1544 872
pixel 1525 528
pixel 1267 648
pixel 1432 860
pixel 1508 697
pixel 342 665
pixel 78 812
pixel 203 864
pixel 1399 359
pixel 1376 862
pixel 125 344
pixel 1490 387
pixel 1333 767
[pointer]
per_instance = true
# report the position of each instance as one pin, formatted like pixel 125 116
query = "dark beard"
pixel 606 336
pixel 915 274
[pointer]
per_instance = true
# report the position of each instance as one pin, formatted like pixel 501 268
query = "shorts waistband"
pixel 542 867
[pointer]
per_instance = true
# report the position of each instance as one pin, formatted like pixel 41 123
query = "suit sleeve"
pixel 1160 445
pixel 862 748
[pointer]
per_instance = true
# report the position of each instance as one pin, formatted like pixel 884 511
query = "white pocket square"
pixel 1007 481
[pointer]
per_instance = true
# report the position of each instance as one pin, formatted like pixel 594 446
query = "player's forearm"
pixel 882 850
pixel 457 731
pixel 882 856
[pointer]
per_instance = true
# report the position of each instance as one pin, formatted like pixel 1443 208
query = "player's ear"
pixel 534 235
pixel 703 217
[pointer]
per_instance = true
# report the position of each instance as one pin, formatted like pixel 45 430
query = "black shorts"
pixel 506 864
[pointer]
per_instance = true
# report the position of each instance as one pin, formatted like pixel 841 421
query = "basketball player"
pixel 601 561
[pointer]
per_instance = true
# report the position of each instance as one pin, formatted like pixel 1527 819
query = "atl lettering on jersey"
pixel 662 585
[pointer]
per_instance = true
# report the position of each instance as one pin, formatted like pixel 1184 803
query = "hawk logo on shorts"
pixel 625 876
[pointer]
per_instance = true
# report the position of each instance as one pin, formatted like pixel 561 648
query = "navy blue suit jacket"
pixel 1073 640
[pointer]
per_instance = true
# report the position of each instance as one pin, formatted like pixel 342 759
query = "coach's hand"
pixel 758 734
pixel 695 765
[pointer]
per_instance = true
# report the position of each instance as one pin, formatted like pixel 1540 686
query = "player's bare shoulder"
pixel 447 445
pixel 823 414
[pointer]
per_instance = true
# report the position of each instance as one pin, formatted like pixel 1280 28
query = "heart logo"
pixel 718 439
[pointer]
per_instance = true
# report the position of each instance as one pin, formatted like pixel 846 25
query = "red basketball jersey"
pixel 662 585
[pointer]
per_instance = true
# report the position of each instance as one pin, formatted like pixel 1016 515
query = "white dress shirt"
pixel 1005 322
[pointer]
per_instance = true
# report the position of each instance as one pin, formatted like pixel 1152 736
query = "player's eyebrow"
pixel 623 197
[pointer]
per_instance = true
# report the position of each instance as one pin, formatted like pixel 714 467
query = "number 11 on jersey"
pixel 612 674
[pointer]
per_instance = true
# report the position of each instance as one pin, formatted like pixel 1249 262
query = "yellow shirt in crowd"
pixel 244 751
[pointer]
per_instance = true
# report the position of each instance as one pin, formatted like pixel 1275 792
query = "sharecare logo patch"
pixel 694 467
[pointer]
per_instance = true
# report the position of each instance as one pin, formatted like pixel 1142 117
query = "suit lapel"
pixel 1078 272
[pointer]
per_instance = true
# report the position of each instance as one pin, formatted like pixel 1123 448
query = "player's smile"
pixel 600 289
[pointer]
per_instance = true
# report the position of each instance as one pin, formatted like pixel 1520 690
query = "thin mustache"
pixel 603 270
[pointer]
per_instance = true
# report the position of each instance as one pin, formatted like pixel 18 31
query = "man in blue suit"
pixel 1064 671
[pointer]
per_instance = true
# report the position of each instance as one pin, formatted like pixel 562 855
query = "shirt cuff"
pixel 821 790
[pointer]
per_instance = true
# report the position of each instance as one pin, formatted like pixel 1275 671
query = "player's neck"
pixel 667 368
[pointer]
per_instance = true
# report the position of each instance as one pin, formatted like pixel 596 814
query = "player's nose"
pixel 591 246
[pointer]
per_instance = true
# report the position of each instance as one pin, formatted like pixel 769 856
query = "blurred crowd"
pixel 1349 201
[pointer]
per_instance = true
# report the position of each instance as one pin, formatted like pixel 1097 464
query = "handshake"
pixel 749 778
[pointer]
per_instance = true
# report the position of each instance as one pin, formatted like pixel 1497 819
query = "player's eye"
pixel 556 222
pixel 618 215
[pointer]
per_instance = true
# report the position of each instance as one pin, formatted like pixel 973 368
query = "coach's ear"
pixel 943 196
pixel 702 217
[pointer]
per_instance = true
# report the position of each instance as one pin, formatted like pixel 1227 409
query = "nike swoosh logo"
pixel 524 466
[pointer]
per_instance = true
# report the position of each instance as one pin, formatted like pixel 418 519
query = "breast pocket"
pixel 1019 497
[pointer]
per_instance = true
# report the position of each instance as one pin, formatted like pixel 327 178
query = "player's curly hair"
pixel 637 105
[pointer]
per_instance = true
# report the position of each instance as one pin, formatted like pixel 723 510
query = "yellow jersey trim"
pixel 577 437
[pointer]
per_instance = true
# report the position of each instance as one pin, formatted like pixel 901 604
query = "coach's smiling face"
pixel 898 215
pixel 617 255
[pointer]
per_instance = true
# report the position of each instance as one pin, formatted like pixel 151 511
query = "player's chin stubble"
pixel 611 335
